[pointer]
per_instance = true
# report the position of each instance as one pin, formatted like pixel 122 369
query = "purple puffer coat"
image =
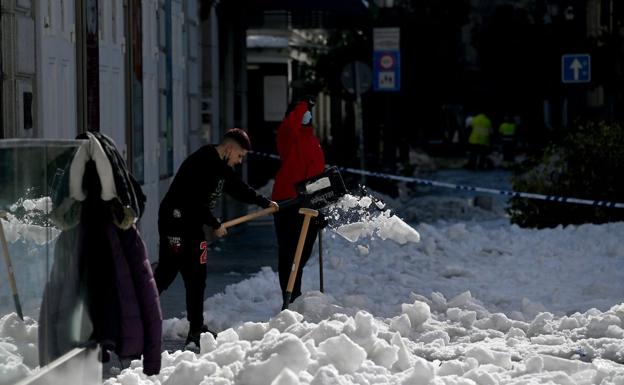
pixel 139 306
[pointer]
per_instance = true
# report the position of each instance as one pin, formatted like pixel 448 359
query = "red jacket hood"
pixel 300 153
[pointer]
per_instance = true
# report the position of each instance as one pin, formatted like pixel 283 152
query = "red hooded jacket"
pixel 300 153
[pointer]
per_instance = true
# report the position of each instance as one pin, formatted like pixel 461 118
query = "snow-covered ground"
pixel 473 302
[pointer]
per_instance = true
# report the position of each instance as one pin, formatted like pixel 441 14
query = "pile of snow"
pixel 419 345
pixel 468 304
pixel 519 272
pixel 18 348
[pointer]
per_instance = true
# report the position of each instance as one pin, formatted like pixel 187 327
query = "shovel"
pixel 314 193
pixel 308 214
pixel 9 265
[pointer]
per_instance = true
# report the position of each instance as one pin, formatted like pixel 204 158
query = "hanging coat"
pixel 105 251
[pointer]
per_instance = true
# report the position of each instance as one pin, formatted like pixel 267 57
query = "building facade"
pixel 127 68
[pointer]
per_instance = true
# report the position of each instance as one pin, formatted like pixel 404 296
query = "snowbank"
pixel 416 346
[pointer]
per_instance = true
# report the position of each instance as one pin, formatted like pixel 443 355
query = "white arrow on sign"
pixel 576 66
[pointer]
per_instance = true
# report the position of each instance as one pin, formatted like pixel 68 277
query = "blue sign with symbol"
pixel 576 68
pixel 386 71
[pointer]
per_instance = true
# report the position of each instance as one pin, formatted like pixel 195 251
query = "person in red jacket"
pixel 301 158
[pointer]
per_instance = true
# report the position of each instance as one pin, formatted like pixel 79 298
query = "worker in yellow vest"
pixel 479 142
pixel 507 131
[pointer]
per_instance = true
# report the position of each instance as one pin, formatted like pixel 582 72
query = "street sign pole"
pixel 387 59
pixel 575 71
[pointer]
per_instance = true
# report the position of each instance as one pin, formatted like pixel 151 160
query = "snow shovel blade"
pixel 322 190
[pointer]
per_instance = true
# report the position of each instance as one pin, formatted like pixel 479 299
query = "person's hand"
pixel 220 232
pixel 274 204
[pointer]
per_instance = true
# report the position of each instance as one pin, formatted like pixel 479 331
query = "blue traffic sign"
pixel 576 68
pixel 386 71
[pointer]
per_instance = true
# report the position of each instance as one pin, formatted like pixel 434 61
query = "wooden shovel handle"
pixel 250 216
pixel 308 215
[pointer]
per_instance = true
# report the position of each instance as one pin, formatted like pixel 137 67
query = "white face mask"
pixel 307 118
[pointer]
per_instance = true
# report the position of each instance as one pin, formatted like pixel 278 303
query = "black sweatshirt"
pixel 195 190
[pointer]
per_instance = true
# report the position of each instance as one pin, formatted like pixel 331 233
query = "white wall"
pixel 112 76
pixel 56 68
pixel 178 68
pixel 151 113
pixel 56 84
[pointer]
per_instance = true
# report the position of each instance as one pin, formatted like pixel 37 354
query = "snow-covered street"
pixel 477 301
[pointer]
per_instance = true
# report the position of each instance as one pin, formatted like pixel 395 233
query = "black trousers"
pixel 478 158
pixel 189 258
pixel 509 148
pixel 288 225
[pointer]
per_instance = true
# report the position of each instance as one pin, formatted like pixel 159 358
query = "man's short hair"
pixel 239 136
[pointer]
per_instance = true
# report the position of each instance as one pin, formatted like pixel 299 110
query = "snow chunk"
pixel 401 324
pixel 487 356
pixel 207 343
pixel 274 353
pixel 252 331
pixel 418 313
pixel 187 372
pixel 403 362
pixel 365 202
pixel 534 364
pixel 553 364
pixel 12 368
pixel 228 353
pixel 497 321
pixel 550 340
pixel 362 330
pixel 453 367
pixel 328 375
pixel 468 318
pixel 384 354
pixel 325 330
pixel 598 325
pixel 453 314
pixel 285 319
pixel 421 372
pixel 397 230
pixel 481 377
pixel 568 323
pixel 353 231
pixel 541 325
pixel 343 353
pixel 461 300
pixel 286 377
